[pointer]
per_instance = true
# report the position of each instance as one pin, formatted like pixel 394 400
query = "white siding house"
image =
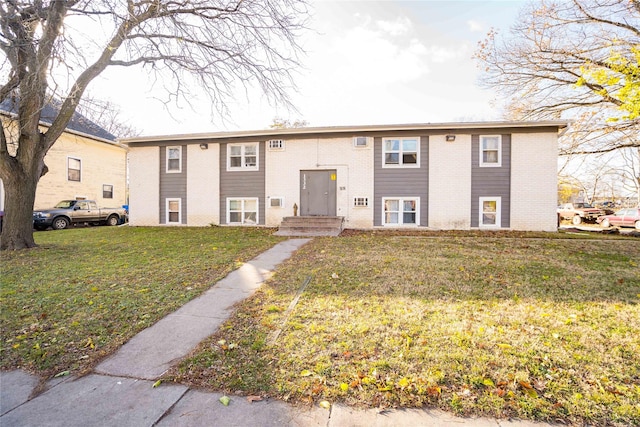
pixel 482 175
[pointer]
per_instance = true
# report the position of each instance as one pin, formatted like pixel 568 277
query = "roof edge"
pixel 115 143
pixel 346 129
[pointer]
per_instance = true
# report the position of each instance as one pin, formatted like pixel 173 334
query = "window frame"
pixel 243 157
pixel 79 160
pixel 167 211
pixel 243 211
pixel 400 152
pixel 278 146
pixel 498 212
pixel 103 191
pixel 401 212
pixel 481 161
pixel 168 150
pixel 360 202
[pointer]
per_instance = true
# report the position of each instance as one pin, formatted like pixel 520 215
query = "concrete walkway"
pixel 121 393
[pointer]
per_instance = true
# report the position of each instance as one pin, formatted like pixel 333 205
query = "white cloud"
pixel 399 27
pixel 368 56
pixel 475 26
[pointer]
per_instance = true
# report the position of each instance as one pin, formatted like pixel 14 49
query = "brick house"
pixel 86 162
pixel 483 175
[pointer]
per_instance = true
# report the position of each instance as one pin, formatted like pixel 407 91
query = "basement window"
pixel 276 145
pixel 361 202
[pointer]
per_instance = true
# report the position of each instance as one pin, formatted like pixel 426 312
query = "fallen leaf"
pixel 434 391
pixel 252 399
pixel 404 382
pixel 306 373
pixel 488 382
pixel 225 400
pixel 324 404
pixel 526 385
pixel 344 386
pixel 156 384
pixel 61 374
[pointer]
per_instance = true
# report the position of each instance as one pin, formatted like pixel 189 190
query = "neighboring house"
pixel 86 162
pixel 486 175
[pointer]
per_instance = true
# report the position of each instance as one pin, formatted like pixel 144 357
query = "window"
pixel 174 159
pixel 242 211
pixel 174 211
pixel 276 144
pixel 491 151
pixel 360 141
pixel 400 152
pixel 361 202
pixel 276 202
pixel 490 212
pixel 401 211
pixel 242 156
pixel 107 191
pixel 74 169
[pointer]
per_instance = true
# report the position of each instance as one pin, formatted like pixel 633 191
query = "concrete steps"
pixel 309 226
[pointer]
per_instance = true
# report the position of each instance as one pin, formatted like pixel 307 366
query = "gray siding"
pixel 173 185
pixel 242 184
pixel 401 182
pixel 491 182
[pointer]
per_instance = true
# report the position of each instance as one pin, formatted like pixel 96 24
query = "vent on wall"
pixel 276 202
pixel 360 141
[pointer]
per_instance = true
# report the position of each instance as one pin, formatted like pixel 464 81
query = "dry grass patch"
pixel 532 328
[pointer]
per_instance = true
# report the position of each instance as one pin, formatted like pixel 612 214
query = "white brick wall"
pixel 354 168
pixel 101 163
pixel 450 182
pixel 144 186
pixel 203 185
pixel 534 181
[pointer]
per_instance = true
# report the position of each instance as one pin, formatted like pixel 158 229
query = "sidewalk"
pixel 120 392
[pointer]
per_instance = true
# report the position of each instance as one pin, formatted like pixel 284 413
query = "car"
pixel 629 217
pixel 578 213
pixel 69 212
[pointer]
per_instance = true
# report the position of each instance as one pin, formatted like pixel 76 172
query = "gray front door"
pixel 318 192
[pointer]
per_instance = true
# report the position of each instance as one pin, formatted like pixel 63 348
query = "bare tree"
pixel 574 59
pixel 108 116
pixel 630 172
pixel 215 43
pixel 280 123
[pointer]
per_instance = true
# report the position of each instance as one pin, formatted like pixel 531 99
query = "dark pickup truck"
pixel 69 212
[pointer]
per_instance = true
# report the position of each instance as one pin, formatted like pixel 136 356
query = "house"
pixel 86 162
pixel 483 175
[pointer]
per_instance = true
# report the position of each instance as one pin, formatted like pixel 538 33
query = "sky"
pixel 366 62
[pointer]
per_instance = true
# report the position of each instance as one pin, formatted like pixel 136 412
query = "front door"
pixel 318 193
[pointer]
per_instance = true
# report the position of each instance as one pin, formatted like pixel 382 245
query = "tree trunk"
pixel 17 226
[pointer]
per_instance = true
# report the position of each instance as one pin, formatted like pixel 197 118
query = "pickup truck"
pixel 579 212
pixel 69 212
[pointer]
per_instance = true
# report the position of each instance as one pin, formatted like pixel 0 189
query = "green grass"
pixel 477 324
pixel 84 292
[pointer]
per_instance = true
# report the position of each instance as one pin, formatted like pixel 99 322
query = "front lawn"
pixel 84 292
pixel 534 328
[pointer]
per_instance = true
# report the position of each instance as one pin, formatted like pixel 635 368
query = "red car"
pixel 623 218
